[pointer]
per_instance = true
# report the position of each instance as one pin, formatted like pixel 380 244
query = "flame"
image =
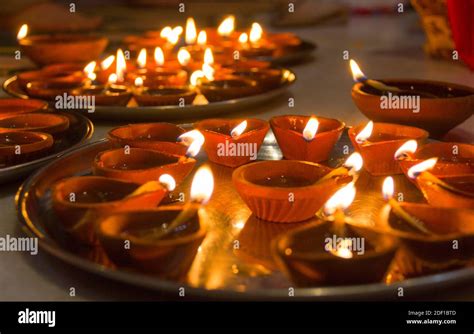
pixel 22 32
pixel 89 70
pixel 239 129
pixel 408 147
pixel 194 140
pixel 208 71
pixel 141 60
pixel 354 162
pixel 310 129
pixel 202 185
pixel 416 170
pixel 191 32
pixel 388 187
pixel 255 33
pixel 227 26
pixel 184 57
pixel 365 133
pixel 107 62
pixel 165 32
pixel 121 65
pixel 138 82
pixel 357 74
pixel 208 56
pixel 195 77
pixel 159 56
pixel 167 181
pixel 202 38
pixel 243 38
pixel 173 36
pixel 341 199
pixel 343 249
pixel 112 78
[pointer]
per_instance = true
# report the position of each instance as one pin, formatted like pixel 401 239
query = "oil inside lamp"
pixel 403 151
pixel 191 32
pixel 22 32
pixel 239 129
pixel 365 134
pixel 309 132
pixel 227 26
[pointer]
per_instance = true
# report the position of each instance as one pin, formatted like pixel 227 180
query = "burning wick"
pixel 238 130
pixel 351 167
pixel 309 131
pixel 387 190
pixel 335 206
pixel 359 76
pixel 404 150
pixel 194 140
pixel 365 133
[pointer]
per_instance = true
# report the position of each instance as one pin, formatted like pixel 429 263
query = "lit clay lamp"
pixel 79 202
pixel 61 48
pixel 163 95
pixel 54 124
pixel 105 69
pixel 448 191
pixel 267 79
pixel 253 45
pixel 161 137
pixel 436 99
pixel 454 159
pixel 14 107
pixel 48 89
pixel 232 142
pixel 284 42
pixel 284 191
pixel 166 39
pixel 335 251
pixel 143 165
pixel 428 233
pixel 378 142
pixel 306 138
pixel 164 240
pixel 62 75
pixel 17 147
pixel 225 35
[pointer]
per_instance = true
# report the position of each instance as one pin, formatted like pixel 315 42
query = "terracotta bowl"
pixel 246 64
pixel 169 257
pixel 379 150
pixel 141 165
pixel 95 197
pixel 159 77
pixel 116 95
pixel 266 78
pixel 155 136
pixel 228 89
pixel 63 48
pixel 217 136
pixel 17 147
pixel 284 191
pixel 53 124
pixel 453 158
pixel 303 255
pixel 48 89
pixel 164 96
pixel 263 50
pixel 53 76
pixel 13 107
pixel 454 100
pixel 64 67
pixel 288 131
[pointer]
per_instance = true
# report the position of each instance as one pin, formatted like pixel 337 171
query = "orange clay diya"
pixel 228 88
pixel 164 95
pixel 79 202
pixel 61 77
pixel 306 138
pixel 106 95
pixel 455 191
pixel 161 137
pixel 232 142
pixel 335 251
pixel 14 107
pixel 141 165
pixel 17 147
pixel 48 89
pixel 53 124
pixel 267 79
pixel 378 142
pixel 283 191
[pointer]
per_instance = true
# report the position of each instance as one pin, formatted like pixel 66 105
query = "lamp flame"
pixel 165 32
pixel 141 60
pixel 202 185
pixel 159 56
pixel 107 62
pixel 208 56
pixel 227 26
pixel 89 70
pixel 354 162
pixel 341 199
pixel 138 82
pixel 357 73
pixel 208 71
pixel 112 78
pixel 167 181
pixel 388 187
pixel 184 57
pixel 256 33
pixel 202 38
pixel 173 35
pixel 195 77
pixel 22 32
pixel 191 32
pixel 343 249
pixel 408 147
pixel 194 140
pixel 121 65
pixel 239 129
pixel 365 133
pixel 310 129
pixel 416 170
pixel 243 38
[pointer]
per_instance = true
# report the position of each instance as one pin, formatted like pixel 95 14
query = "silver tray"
pixel 212 274
pixel 80 131
pixel 168 113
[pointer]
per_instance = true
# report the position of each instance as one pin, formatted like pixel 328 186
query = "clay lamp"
pixel 161 137
pixel 228 88
pixel 225 35
pixel 253 45
pixel 435 238
pixel 267 79
pixel 48 89
pixel 284 191
pixel 17 147
pixel 232 142
pixel 105 69
pixel 378 142
pixel 60 48
pixel 163 95
pixel 448 191
pixel 246 64
pixel 436 99
pixel 53 124
pixel 453 158
pixel 79 202
pixel 306 138
pixel 335 250
pixel 284 40
pixel 13 107
pixel 163 241
pixel 66 77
